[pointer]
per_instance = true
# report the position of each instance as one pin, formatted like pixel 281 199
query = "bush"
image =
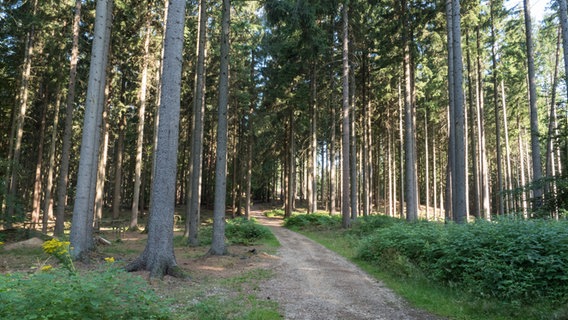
pixel 109 294
pixel 246 232
pixel 368 224
pixel 316 221
pixel 512 260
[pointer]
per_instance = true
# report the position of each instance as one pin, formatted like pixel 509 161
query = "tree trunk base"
pixel 158 270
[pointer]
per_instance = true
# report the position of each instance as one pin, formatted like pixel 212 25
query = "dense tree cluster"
pixel 436 110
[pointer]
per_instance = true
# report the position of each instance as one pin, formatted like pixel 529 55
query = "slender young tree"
pixel 218 246
pixel 194 197
pixel 68 130
pixel 140 127
pixel 158 256
pixel 345 173
pixel 535 144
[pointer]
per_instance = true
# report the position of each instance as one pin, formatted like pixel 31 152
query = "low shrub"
pixel 368 224
pixel 246 232
pixel 512 260
pixel 315 221
pixel 55 294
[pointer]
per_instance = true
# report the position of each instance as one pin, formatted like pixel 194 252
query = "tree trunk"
pixel 312 161
pixel 116 198
pixel 218 246
pixel 47 204
pixel 459 181
pixel 81 228
pixel 158 256
pixel 68 131
pixel 509 176
pixel 523 177
pixel 483 165
pixel 140 127
pixel 451 108
pixel 101 171
pixel 23 97
pixel 345 135
pixel 535 145
pixel 38 177
pixel 410 126
pixel 332 154
pixel 474 158
pixel 497 121
pixel 194 200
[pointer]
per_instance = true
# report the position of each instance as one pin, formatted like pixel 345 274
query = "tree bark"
pixel 484 167
pixel 194 199
pixel 47 204
pixel 158 256
pixel 497 121
pixel 23 97
pixel 68 130
pixel 81 228
pixel 38 177
pixel 345 190
pixel 218 246
pixel 140 127
pixel 116 198
pixel 535 144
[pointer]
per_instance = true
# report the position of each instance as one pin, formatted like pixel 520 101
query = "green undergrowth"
pixel 56 294
pixel 238 231
pixel 508 269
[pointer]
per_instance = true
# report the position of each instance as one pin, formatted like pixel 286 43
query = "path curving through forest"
pixel 312 282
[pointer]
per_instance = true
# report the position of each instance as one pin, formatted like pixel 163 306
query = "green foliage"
pixel 108 294
pixel 313 221
pixel 366 225
pixel 246 232
pixel 274 213
pixel 513 260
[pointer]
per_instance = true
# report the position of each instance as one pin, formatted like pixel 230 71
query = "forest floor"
pixel 305 279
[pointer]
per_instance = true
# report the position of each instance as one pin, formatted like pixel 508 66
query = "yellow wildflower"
pixel 1 243
pixel 46 268
pixel 109 259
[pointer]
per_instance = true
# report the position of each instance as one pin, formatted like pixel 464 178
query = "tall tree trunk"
pixel 410 126
pixel 345 190
pixel 497 121
pixel 474 158
pixel 459 181
pixel 552 132
pixel 68 130
pixel 522 153
pixel 23 97
pixel 81 228
pixel 36 204
pixel 400 153
pixel 140 127
pixel 483 164
pixel 218 246
pixel 332 154
pixel 353 174
pixel 101 171
pixel 194 200
pixel 427 162
pixel 451 108
pixel 535 145
pixel 312 150
pixel 47 203
pixel 158 256
pixel 116 198
pixel 250 140
pixel 509 176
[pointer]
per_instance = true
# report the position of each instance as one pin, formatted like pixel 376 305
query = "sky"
pixel 537 7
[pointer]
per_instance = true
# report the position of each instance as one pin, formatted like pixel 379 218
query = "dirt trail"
pixel 313 283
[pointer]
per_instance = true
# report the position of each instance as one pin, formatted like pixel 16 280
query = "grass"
pixel 453 303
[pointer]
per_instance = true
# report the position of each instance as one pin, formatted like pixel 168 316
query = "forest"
pixel 442 111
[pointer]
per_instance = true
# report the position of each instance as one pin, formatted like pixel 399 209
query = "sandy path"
pixel 313 282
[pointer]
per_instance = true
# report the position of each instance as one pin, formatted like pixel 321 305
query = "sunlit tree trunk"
pixel 140 127
pixel 68 130
pixel 81 228
pixel 47 203
pixel 500 201
pixel 483 165
pixel 23 97
pixel 535 144
pixel 218 246
pixel 509 177
pixel 39 163
pixel 116 198
pixel 101 171
pixel 158 256
pixel 345 135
